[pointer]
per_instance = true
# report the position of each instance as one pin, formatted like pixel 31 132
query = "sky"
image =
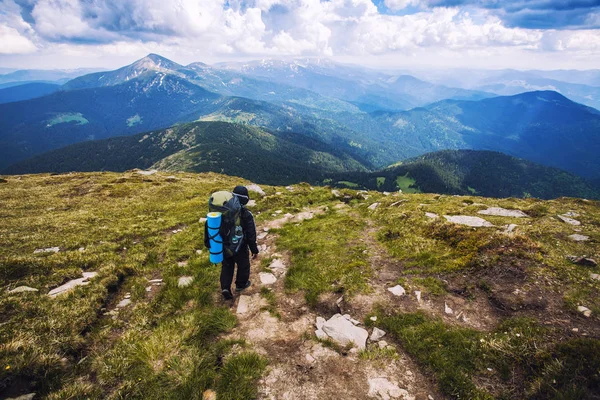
pixel 494 34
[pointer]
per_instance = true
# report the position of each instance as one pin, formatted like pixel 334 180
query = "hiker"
pixel 239 255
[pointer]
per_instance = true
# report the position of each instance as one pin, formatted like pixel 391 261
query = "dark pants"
pixel 242 259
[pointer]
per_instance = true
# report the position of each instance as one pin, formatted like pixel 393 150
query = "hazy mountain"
pixel 233 149
pixel 53 75
pixel 483 173
pixel 26 91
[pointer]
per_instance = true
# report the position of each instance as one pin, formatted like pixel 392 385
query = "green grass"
pixel 405 182
pixel 380 181
pixel 348 184
pixel 271 306
pixel 66 118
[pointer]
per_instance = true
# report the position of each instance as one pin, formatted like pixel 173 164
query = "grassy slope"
pixel 167 343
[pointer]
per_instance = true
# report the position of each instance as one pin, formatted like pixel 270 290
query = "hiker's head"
pixel 242 194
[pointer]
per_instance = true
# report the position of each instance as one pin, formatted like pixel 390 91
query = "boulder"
pixel 397 290
pixel 72 284
pixel 475 222
pixel 569 220
pixel 377 334
pixel 22 289
pixel 321 334
pixel 256 189
pixel 320 322
pixel 343 332
pixel 185 281
pixel 503 212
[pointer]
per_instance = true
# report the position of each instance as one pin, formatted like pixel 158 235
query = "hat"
pixel 242 194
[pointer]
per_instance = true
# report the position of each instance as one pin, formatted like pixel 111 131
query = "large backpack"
pixel 231 224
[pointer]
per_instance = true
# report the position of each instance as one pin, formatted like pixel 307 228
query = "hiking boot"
pixel 239 289
pixel 226 294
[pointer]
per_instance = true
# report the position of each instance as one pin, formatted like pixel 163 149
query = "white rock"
pixel 468 220
pixel 202 220
pixel 320 322
pixel 503 212
pixel 267 278
pixel 381 388
pixel 373 206
pixel 355 321
pixel 373 318
pixel 81 249
pixel 182 263
pixel 397 290
pixel 579 238
pixel 595 276
pixel 263 235
pixel 344 332
pixel 336 193
pixel 199 252
pixel 124 303
pixel 277 264
pixel 251 203
pixel 321 334
pixel 278 212
pixel 155 281
pixel 147 173
pixel 148 288
pixel 256 189
pixel 585 311
pixel 310 359
pixel 377 334
pixel 72 284
pixel 290 188
pixel 569 220
pixel 571 214
pixel 48 250
pixel 185 281
pixel 447 309
pixel 243 304
pixel 266 229
pixel 23 289
pixel 418 294
pixel 431 215
pixel 347 316
pixel 510 228
pixel 29 396
pixel 386 193
pixel 382 344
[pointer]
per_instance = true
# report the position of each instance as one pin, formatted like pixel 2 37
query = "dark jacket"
pixel 249 229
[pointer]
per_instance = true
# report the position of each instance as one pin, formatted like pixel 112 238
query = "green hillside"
pixel 233 149
pixel 485 173
pixel 486 312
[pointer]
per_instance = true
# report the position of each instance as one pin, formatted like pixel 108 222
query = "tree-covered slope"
pixel 485 173
pixel 234 149
pixel 26 91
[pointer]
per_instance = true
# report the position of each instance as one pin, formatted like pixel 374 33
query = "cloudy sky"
pixel 546 34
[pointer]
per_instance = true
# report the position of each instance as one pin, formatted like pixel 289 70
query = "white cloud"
pixel 401 4
pixel 12 42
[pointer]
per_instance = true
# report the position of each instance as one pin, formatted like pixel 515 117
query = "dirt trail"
pixel 301 367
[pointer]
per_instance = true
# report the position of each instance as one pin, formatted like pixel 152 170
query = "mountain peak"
pixel 155 62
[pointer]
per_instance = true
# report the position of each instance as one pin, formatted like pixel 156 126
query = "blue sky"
pixel 548 34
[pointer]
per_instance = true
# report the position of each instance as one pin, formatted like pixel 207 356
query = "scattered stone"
pixel 373 206
pixel 28 396
pixel 182 263
pixel 177 230
pixel 320 322
pixel 377 334
pixel 155 281
pixel 397 203
pixel 503 212
pixel 374 318
pixel 243 304
pixel 585 311
pixel 569 220
pixel 147 173
pixel 81 249
pixel 48 250
pixel 256 189
pixel 199 252
pixel 267 278
pixel 72 284
pixel 202 220
pixel 584 261
pixel 290 188
pixel 278 264
pixel 386 193
pixel 310 359
pixel 336 193
pixel 148 288
pixel 344 332
pixel 572 214
pixel 209 395
pixel 185 281
pixel 579 238
pixel 251 203
pixel 431 215
pixel 321 334
pixel 266 229
pixel 262 235
pixel 382 344
pixel 575 329
pixel 397 290
pixel 510 228
pixel 595 276
pixel 447 309
pixel 475 222
pixel 418 294
pixel 124 303
pixel 128 296
pixel 381 388
pixel 22 289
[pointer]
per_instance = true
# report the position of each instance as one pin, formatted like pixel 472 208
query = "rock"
pixel 209 395
pixel 48 250
pixel 256 189
pixel 321 334
pixel 584 261
pixel 344 332
pixel 382 344
pixel 290 188
pixel 569 220
pixel 148 288
pixel 153 281
pixel 575 329
pixel 572 214
pixel 262 235
pixel 336 193
pixel 418 294
pixel 244 304
pixel 381 388
pixel 124 303
pixel 595 276
pixel 503 212
pixel 202 220
pixel 81 249
pixel 447 309
pixel 278 264
pixel 373 318
pixel 475 222
pixel 72 284
pixel 585 311
pixel 147 173
pixel 377 334
pixel 28 396
pixel 22 289
pixel 310 359
pixel 579 238
pixel 510 228
pixel 199 252
pixel 320 322
pixel 354 321
pixel 397 290
pixel 251 203
pixel 431 215
pixel 386 193
pixel 373 206
pixel 185 281
pixel 182 263
pixel 267 278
